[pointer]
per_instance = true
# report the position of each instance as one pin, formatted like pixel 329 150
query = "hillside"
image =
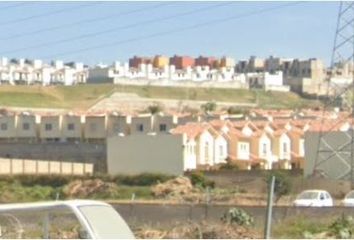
pixel 84 96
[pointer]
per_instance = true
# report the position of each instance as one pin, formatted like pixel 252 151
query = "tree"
pixel 282 184
pixel 154 109
pixel 208 107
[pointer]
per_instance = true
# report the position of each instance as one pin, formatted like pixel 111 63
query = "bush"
pixel 237 216
pixel 198 179
pixel 282 185
pixel 40 180
pixel 229 166
pixel 342 227
pixel 144 179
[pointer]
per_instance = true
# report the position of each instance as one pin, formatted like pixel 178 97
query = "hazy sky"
pixel 108 31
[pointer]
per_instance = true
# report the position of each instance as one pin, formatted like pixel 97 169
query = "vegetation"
pixel 154 109
pixel 237 216
pixel 198 179
pixel 282 185
pixel 208 107
pixel 84 96
pixel 302 227
pixel 144 179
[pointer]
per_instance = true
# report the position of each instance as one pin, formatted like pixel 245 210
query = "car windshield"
pixel 308 195
pixel 106 223
pixel 350 195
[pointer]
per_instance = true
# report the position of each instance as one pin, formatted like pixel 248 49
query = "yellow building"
pixel 160 61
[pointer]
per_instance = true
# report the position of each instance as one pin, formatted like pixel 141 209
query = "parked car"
pixel 314 198
pixel 348 200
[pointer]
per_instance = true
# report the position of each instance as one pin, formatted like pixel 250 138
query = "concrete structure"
pixel 29 72
pixel 140 153
pixel 95 127
pixel 333 166
pixel 141 124
pixel 136 61
pixel 7 126
pixel 118 124
pixel 160 61
pixel 182 62
pixel 227 62
pixel 71 127
pixel 50 128
pixel 211 62
pixel 26 127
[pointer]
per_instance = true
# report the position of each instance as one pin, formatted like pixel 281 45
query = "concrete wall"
pixel 65 152
pixel 329 163
pixel 25 166
pixel 136 154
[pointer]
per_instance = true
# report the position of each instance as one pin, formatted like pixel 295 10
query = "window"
pixel 221 150
pixel 3 126
pixel 71 126
pixel 163 127
pixel 48 127
pixel 140 127
pixel 25 126
pixel 264 148
pixel 285 147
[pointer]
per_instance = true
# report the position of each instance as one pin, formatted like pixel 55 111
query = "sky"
pixel 103 32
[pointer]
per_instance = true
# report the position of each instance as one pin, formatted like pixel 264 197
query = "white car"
pixel 348 200
pixel 62 219
pixel 314 198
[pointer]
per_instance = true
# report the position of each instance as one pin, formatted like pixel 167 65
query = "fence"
pixel 166 215
pixel 25 166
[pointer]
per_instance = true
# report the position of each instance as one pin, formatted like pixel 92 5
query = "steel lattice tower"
pixel 342 152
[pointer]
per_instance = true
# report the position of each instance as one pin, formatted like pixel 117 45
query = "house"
pixel 211 146
pixel 297 147
pixel 49 127
pixel 71 128
pixel 118 124
pixel 164 123
pixel 141 124
pixel 7 125
pixel 26 127
pixel 95 127
pixel 281 148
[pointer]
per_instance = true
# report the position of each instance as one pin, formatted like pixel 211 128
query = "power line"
pixel 199 25
pixel 95 34
pixel 85 21
pixel 63 10
pixel 16 5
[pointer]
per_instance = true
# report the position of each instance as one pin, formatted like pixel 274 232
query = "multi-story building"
pixel 182 62
pixel 160 61
pixel 136 61
pixel 206 61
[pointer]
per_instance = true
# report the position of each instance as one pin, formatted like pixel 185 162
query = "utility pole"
pixel 268 222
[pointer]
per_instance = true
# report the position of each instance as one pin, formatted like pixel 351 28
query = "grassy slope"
pixel 84 96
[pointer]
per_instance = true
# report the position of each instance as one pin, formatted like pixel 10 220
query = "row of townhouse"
pixel 49 127
pixel 122 73
pixel 258 144
pixel 29 72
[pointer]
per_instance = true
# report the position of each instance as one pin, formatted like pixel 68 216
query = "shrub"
pixel 282 185
pixel 208 107
pixel 237 216
pixel 198 179
pixel 342 227
pixel 144 179
pixel 229 166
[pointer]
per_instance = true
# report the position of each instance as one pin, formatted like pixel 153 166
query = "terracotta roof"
pixel 193 130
